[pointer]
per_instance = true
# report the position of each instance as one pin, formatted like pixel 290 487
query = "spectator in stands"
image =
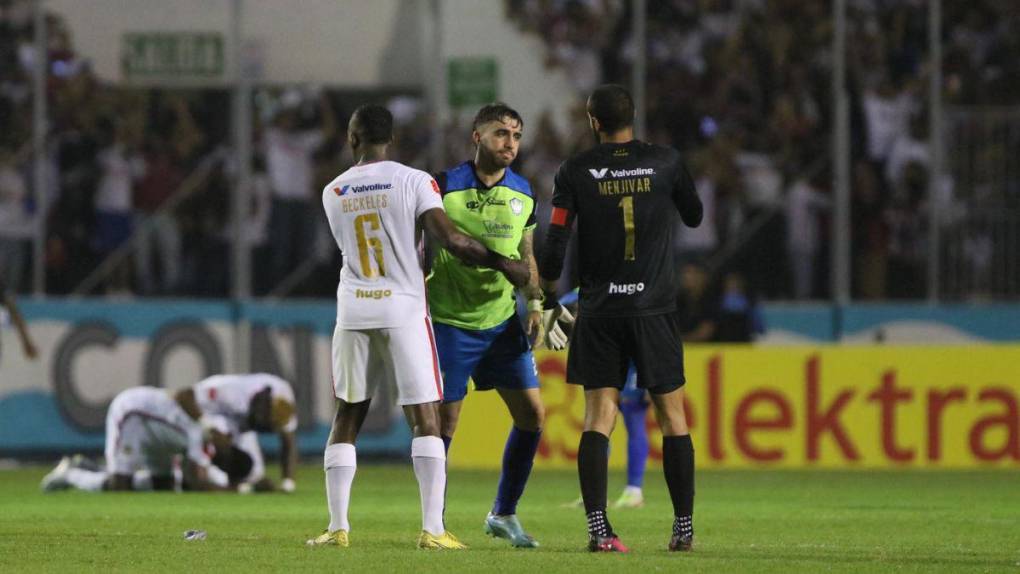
pixel 159 232
pixel 739 319
pixel 887 111
pixel 805 201
pixel 15 221
pixel 906 264
pixel 870 236
pixel 290 148
pixel 909 146
pixel 173 146
pixel 122 166
pixel 697 310
pixel 700 242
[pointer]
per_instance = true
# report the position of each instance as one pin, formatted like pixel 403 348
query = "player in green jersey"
pixel 474 311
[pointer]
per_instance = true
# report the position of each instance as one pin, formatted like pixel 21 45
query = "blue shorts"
pixel 497 357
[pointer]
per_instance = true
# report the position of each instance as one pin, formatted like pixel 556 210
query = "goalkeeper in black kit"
pixel 625 196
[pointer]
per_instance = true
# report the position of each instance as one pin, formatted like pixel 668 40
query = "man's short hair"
pixel 235 462
pixel 612 106
pixel 375 124
pixel 496 112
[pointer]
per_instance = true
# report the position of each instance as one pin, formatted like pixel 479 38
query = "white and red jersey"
pixel 373 211
pixel 230 396
pixel 146 428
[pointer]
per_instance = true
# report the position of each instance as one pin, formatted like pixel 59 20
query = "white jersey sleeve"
pixel 230 396
pixel 426 193
pixel 373 212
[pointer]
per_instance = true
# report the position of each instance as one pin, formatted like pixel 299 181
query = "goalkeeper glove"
pixel 553 320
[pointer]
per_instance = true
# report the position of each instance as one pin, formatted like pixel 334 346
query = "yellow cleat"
pixel 444 541
pixel 327 538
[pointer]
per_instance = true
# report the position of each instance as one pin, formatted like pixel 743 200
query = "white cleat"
pixel 57 478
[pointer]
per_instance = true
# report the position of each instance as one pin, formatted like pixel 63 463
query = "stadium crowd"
pixel 744 88
pixel 740 86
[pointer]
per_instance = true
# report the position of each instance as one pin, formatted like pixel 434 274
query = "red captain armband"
pixel 559 217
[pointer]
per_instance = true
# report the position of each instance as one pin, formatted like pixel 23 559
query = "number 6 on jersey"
pixel 369 247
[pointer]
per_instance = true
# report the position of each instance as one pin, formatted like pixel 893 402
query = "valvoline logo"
pixel 345 189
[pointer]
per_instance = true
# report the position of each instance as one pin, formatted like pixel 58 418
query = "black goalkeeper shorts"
pixel 603 348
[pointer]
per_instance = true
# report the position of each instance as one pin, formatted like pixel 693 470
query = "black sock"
pixel 593 470
pixel 678 466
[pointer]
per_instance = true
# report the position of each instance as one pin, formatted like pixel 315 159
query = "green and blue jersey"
pixel 498 216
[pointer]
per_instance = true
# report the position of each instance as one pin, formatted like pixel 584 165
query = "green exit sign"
pixel 472 81
pixel 172 55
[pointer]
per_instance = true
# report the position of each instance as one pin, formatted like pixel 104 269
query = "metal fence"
pixel 980 240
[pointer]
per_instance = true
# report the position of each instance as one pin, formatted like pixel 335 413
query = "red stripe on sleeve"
pixel 559 216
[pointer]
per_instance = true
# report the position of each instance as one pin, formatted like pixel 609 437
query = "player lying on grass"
pixel 250 403
pixel 377 211
pixel 146 430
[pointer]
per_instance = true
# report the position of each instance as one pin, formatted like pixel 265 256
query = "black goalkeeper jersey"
pixel 625 199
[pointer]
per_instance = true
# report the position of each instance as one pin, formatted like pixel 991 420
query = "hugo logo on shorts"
pixel 625 288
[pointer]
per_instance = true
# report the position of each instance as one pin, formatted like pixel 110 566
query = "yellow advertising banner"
pixel 798 407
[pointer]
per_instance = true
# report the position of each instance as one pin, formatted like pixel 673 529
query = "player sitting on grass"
pixel 146 430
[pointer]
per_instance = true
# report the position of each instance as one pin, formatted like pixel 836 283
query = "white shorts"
pixel 146 430
pixel 403 356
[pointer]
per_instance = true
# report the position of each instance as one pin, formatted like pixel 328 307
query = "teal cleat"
pixel 510 528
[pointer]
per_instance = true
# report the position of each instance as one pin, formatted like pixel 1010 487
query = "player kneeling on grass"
pixel 376 211
pixel 251 404
pixel 146 430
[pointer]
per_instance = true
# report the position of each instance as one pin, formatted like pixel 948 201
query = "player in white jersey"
pixel 146 430
pixel 257 402
pixel 377 211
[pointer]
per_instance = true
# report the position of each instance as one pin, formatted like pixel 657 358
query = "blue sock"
pixel 518 457
pixel 446 442
pixel 637 441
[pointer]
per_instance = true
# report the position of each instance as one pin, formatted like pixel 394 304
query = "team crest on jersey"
pixel 516 206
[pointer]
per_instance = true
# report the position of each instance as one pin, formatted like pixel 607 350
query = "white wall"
pixel 349 43
pixel 340 43
pixel 479 28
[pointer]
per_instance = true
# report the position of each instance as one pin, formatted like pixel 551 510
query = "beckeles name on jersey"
pixel 364 202
pixel 625 186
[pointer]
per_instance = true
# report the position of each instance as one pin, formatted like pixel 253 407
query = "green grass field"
pixel 747 521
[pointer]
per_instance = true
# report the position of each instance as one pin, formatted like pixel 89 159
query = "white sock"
pixel 340 462
pixel 89 480
pixel 633 490
pixel 429 458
